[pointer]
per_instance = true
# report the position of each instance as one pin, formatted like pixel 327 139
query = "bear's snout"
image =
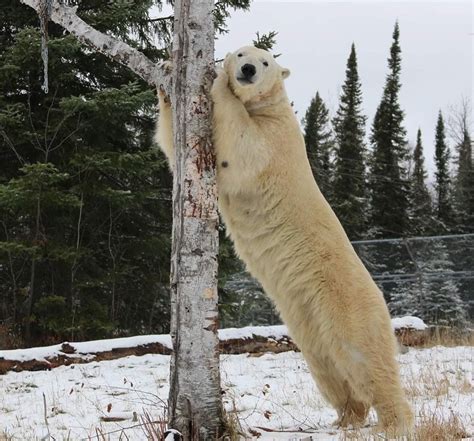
pixel 248 70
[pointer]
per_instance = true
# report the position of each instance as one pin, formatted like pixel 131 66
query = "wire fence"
pixel 396 265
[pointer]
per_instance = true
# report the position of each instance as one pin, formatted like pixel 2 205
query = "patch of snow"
pixel 408 322
pixel 277 332
pixel 272 394
pixel 84 348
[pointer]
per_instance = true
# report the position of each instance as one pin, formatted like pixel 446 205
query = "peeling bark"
pixel 65 16
pixel 195 395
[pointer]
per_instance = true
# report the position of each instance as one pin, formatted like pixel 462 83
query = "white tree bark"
pixel 195 394
pixel 115 49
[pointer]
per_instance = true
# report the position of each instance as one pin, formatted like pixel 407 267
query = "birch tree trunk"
pixel 195 394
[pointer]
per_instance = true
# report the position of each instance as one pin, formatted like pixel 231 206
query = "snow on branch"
pixel 65 16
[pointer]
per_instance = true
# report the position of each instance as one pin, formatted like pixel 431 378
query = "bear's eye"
pixel 239 55
pixel 265 63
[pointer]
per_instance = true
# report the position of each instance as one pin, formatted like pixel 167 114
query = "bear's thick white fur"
pixel 292 242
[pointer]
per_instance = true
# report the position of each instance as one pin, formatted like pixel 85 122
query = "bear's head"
pixel 254 74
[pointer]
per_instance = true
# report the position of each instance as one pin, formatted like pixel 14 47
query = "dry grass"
pixel 154 430
pixel 431 427
pixel 428 384
pixel 449 337
pixel 233 430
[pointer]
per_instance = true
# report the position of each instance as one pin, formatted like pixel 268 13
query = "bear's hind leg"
pixel 395 416
pixel 374 379
pixel 353 414
pixel 335 389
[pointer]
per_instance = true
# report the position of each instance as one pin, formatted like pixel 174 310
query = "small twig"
pixel 268 429
pixel 12 147
pixel 119 430
pixel 48 436
pixel 46 126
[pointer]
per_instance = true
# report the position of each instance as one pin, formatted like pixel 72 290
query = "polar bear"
pixel 292 242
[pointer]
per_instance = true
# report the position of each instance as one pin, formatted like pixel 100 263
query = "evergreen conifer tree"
pixel 421 211
pixel 405 299
pixel 443 202
pixel 464 185
pixel 319 143
pixel 89 141
pixel 388 180
pixel 350 196
pixel 441 300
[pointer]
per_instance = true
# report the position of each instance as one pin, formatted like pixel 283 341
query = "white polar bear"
pixel 292 242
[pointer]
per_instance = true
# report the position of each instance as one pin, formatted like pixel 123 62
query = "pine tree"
pixel 443 203
pixel 319 143
pixel 103 258
pixel 441 302
pixel 434 296
pixel 388 181
pixel 464 185
pixel 350 196
pixel 405 299
pixel 421 212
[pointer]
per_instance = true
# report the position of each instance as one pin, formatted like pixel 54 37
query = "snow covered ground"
pixel 272 395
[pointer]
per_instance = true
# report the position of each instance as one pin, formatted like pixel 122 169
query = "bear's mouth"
pixel 243 80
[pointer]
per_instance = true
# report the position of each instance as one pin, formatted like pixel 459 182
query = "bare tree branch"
pixel 12 147
pixel 153 20
pixel 460 121
pixel 115 49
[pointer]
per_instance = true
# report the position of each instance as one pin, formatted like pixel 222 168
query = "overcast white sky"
pixel 314 38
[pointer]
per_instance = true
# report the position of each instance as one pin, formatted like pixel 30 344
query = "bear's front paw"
pixel 163 98
pixel 166 66
pixel 221 81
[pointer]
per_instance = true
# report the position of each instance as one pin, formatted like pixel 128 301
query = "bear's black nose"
pixel 248 70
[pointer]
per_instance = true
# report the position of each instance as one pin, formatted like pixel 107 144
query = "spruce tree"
pixel 443 203
pixel 421 212
pixel 350 198
pixel 441 301
pixel 319 143
pixel 464 185
pixel 405 299
pixel 102 258
pixel 388 180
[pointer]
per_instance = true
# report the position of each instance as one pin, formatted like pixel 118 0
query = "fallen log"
pixel 253 340
pixel 257 339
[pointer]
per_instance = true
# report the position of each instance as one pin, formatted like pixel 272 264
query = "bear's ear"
pixel 285 73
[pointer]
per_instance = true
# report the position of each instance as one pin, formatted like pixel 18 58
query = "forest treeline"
pixel 85 196
pixel 378 188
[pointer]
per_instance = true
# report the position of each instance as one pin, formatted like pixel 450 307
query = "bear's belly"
pixel 249 225
pixel 277 254
pixel 275 251
pixel 311 275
